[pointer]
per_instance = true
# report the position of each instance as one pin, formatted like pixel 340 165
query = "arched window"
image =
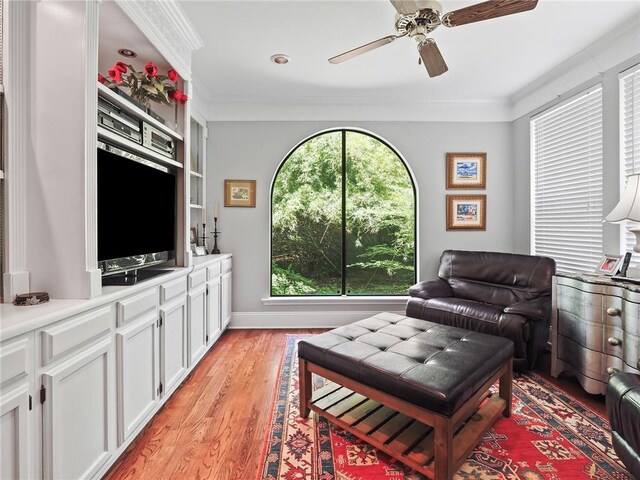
pixel 343 218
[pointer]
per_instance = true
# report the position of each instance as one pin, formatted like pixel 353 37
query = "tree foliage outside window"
pixel 343 219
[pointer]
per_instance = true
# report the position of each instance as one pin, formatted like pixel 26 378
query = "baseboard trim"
pixel 267 320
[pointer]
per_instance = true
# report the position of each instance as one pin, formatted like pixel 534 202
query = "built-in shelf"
pixel 196 174
pixel 122 102
pixel 106 134
pixel 193 205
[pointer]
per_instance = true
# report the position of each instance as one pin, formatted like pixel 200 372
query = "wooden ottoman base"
pixel 432 444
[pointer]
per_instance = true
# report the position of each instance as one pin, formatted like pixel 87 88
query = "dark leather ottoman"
pixel 405 385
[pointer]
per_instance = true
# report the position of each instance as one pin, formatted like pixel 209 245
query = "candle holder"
pixel 204 238
pixel 215 236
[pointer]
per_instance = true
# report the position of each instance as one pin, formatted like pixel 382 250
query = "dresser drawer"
pixel 197 278
pixel 631 348
pixel 613 310
pixel 587 362
pixel 579 303
pixel 71 334
pixel 586 334
pixel 632 318
pixel 614 341
pixel 173 289
pixel 133 307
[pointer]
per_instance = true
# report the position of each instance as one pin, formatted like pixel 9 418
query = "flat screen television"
pixel 136 214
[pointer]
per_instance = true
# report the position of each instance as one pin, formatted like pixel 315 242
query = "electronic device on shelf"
pixel 136 214
pixel 117 120
pixel 158 141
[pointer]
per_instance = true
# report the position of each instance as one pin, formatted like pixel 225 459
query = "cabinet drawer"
pixel 226 265
pixel 172 290
pixel 214 270
pixel 71 334
pixel 614 342
pixel 585 361
pixel 631 348
pixel 15 359
pixel 632 318
pixel 197 278
pixel 579 303
pixel 132 307
pixel 586 334
pixel 613 310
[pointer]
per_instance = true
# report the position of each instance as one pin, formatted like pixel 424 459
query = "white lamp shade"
pixel 628 208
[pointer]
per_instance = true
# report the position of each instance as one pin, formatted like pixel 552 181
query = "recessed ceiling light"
pixel 280 58
pixel 125 52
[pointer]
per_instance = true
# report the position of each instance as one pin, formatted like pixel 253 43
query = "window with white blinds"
pixel 566 163
pixel 629 142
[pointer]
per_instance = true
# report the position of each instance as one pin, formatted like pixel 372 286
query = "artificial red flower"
pixel 122 67
pixel 101 79
pixel 183 98
pixel 150 69
pixel 116 75
pixel 176 94
pixel 173 75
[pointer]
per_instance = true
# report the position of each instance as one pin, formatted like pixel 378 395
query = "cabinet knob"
pixel 613 341
pixel 613 312
pixel 611 370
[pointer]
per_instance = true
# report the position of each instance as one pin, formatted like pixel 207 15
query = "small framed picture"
pixel 467 170
pixel 193 238
pixel 466 212
pixel 609 264
pixel 239 193
pixel 200 250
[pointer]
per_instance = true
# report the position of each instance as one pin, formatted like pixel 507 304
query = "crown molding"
pixel 166 26
pixel 361 109
pixel 609 51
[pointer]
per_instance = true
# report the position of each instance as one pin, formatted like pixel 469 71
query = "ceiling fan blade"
pixel 486 11
pixel 432 58
pixel 405 7
pixel 364 49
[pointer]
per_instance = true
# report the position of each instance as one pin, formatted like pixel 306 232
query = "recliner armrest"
pixel 535 309
pixel 431 289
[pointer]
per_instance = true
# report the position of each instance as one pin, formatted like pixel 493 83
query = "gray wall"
pixel 254 150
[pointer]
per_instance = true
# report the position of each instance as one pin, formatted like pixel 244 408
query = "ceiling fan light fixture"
pixel 280 59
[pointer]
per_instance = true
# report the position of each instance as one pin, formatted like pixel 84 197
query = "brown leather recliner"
pixel 503 294
pixel 623 410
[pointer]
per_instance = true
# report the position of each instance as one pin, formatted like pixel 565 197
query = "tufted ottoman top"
pixel 434 366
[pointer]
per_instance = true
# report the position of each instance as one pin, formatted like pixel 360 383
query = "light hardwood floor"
pixel 214 425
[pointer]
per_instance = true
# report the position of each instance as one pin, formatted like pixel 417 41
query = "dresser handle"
pixel 613 341
pixel 613 312
pixel 612 370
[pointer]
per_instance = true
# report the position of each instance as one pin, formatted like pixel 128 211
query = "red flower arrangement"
pixel 146 85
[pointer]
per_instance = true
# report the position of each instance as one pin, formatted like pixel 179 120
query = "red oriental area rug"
pixel 549 436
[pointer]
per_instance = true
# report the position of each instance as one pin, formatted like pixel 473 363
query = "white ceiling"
pixel 488 61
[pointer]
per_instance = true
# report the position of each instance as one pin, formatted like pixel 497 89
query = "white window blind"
pixel 629 141
pixel 566 159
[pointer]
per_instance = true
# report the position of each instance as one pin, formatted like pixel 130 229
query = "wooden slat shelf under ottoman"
pixel 433 437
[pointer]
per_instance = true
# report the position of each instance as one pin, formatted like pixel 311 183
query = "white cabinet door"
pixel 173 341
pixel 137 374
pixel 15 429
pixel 197 324
pixel 226 299
pixel 213 309
pixel 78 413
pixel 16 414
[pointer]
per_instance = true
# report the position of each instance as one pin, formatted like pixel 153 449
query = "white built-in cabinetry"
pixel 79 382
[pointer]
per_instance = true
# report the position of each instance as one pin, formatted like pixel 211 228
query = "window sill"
pixel 344 300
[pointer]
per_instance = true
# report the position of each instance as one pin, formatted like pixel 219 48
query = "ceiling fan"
pixel 418 18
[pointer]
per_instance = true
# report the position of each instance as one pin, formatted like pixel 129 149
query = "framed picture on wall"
pixel 466 212
pixel 239 193
pixel 467 170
